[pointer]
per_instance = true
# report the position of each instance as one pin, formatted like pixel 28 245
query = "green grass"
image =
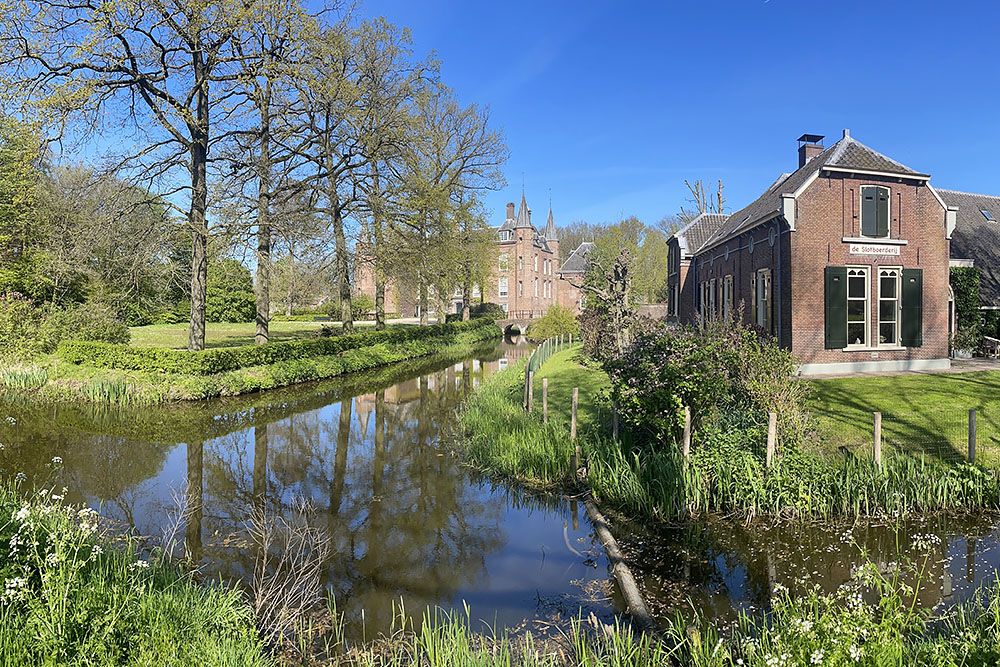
pixel 223 334
pixel 726 473
pixel 65 381
pixel 925 414
pixel 73 597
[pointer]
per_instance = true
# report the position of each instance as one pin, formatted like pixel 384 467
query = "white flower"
pixel 855 653
pixel 139 565
pixel 817 657
pixel 11 421
pixel 20 477
pixel 13 587
pixel 96 550
pixel 43 492
pixel 22 514
pixel 57 460
pixel 52 558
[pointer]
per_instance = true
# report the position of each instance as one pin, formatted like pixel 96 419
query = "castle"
pixel 527 278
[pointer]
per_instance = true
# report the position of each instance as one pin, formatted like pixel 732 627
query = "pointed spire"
pixel 550 227
pixel 523 219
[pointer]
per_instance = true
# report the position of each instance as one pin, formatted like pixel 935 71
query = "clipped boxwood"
pixel 220 360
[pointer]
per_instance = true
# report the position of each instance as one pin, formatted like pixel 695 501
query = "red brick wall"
pixel 915 216
pixel 523 247
pixel 827 212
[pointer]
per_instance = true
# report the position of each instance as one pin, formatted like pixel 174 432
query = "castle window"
pixel 502 288
pixel 536 263
pixel 520 263
pixel 504 261
pixel 506 236
pixel 874 211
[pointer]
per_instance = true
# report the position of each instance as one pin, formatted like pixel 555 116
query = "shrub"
pixel 362 306
pixel 84 322
pixel 487 310
pixel 229 294
pixel 27 329
pixel 19 321
pixel 219 360
pixel 557 321
pixel 720 372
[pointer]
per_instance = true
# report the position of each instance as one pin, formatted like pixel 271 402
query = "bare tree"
pixel 160 66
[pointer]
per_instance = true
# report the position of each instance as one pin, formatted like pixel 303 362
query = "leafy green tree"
pixel 230 294
pixel 557 321
pixel 21 233
pixel 646 249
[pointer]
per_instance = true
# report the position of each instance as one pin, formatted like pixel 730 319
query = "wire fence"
pixel 948 435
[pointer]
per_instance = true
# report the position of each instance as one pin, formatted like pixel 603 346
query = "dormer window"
pixel 506 236
pixel 874 211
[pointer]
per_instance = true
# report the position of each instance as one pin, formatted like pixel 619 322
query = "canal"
pixel 412 528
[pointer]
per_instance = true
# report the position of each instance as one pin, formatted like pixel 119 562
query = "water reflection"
pixel 406 520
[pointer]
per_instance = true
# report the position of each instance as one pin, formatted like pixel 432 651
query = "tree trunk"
pixel 199 206
pixel 264 226
pixel 343 270
pixel 467 295
pixel 424 321
pixel 377 251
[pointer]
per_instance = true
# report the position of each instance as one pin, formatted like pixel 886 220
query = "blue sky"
pixel 612 105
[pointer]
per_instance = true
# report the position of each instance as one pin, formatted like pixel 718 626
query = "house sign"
pixel 873 249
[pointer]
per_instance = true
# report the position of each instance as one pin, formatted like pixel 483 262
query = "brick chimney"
pixel 810 145
pixel 510 210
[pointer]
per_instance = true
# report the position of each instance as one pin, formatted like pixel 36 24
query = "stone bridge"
pixel 516 324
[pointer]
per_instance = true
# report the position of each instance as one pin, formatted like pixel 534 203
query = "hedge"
pixel 220 360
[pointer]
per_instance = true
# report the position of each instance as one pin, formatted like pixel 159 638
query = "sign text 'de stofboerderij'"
pixel 873 249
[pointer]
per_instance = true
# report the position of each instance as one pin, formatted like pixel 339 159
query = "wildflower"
pixel 22 514
pixel 11 421
pixel 43 492
pixel 52 558
pixel 139 565
pixel 855 653
pixel 13 587
pixel 96 551
pixel 816 658
pixel 57 460
pixel 20 477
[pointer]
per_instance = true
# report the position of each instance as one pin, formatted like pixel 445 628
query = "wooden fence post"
pixel 686 443
pixel 531 390
pixel 878 440
pixel 572 420
pixel 972 436
pixel 772 436
pixel 545 400
pixel 572 432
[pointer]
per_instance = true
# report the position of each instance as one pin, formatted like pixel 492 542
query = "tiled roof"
pixel 848 153
pixel 695 233
pixel 577 261
pixel 977 238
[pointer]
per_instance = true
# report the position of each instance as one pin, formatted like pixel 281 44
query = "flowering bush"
pixel 728 376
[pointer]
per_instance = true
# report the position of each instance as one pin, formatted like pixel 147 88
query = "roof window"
pixel 987 215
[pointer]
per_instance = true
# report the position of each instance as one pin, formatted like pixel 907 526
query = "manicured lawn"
pixel 565 369
pixel 921 413
pixel 223 334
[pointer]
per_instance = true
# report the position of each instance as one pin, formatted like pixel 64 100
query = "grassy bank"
pixel 726 478
pixel 72 597
pixel 53 378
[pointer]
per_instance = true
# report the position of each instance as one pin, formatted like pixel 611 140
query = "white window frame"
pixel 727 297
pixel 712 300
pixel 535 262
pixel 898 299
pixel 503 262
pixel 503 288
pixel 503 307
pixel 762 299
pixel 861 211
pixel 867 272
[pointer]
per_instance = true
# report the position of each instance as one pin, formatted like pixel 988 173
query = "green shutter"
pixel 912 324
pixel 882 207
pixel 836 307
pixel 869 212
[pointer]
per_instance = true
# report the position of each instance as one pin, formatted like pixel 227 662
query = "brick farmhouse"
pixel 845 261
